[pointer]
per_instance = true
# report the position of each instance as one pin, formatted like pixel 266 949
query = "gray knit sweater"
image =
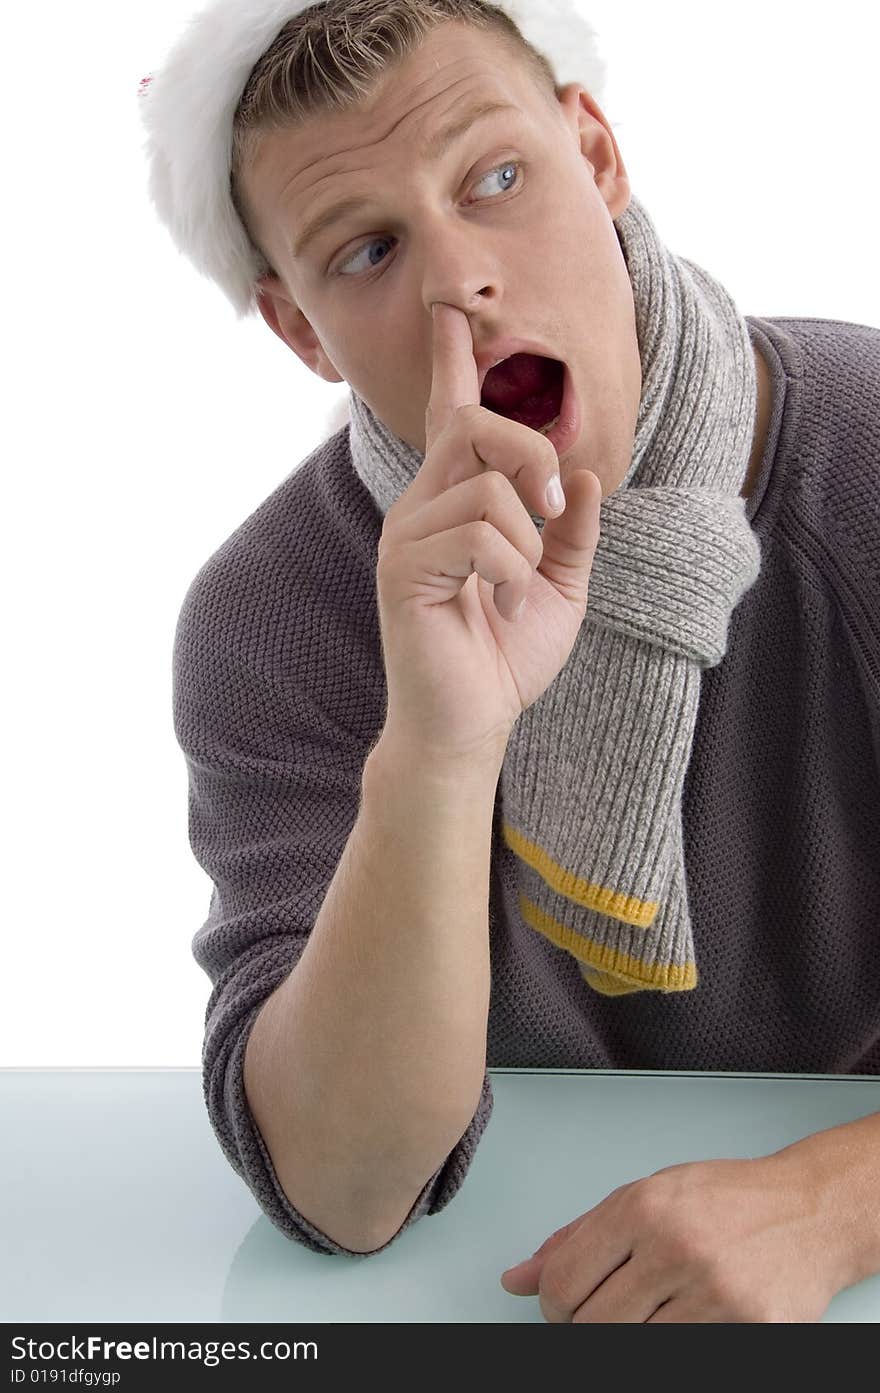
pixel 279 694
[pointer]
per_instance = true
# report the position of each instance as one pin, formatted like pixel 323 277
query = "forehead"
pixel 455 68
pixel 450 57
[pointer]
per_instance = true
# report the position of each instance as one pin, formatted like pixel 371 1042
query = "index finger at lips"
pixel 455 379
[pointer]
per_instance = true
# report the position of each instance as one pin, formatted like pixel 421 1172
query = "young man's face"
pixel 527 252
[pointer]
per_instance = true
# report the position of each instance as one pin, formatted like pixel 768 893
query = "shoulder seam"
pixel 855 614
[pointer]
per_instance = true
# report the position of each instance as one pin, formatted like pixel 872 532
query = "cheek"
pixel 397 398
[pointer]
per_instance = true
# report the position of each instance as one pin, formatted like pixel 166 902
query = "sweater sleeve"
pixel 274 792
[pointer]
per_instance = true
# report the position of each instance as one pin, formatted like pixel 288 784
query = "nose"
pixel 460 269
pixel 464 295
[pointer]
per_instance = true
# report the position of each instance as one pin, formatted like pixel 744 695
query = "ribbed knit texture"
pixel 593 771
pixel 279 694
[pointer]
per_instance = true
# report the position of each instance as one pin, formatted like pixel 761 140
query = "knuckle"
pixel 466 415
pixel 645 1203
pixel 496 484
pixel 384 571
pixel 620 1190
pixel 386 539
pixel 480 533
pixel 389 552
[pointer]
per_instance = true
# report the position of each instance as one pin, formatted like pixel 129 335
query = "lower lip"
pixel 567 429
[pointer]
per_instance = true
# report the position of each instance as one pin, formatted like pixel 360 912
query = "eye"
pixel 501 168
pixel 377 241
pixel 352 260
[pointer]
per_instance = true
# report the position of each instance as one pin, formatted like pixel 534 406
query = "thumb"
pixel 570 540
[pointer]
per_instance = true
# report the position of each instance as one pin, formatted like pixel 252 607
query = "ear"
pixel 598 147
pixel 286 319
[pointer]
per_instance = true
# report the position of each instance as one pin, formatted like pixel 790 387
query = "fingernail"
pixel 555 496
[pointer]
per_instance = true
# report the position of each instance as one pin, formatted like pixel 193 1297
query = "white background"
pixel 144 423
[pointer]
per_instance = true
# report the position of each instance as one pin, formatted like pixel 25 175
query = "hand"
pixel 457 554
pixel 740 1240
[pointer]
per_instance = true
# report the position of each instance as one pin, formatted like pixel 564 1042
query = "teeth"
pixel 545 430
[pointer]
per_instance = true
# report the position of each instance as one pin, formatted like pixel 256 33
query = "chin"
pixel 610 466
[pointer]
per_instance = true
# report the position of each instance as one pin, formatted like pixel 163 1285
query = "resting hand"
pixel 731 1240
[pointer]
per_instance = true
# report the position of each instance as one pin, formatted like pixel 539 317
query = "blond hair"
pixel 332 56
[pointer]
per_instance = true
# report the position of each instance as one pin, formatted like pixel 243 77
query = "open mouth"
pixel 536 392
pixel 526 388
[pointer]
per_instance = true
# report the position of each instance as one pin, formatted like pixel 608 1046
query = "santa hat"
pixel 188 106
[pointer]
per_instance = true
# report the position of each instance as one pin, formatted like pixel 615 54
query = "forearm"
pixel 365 1067
pixel 842 1169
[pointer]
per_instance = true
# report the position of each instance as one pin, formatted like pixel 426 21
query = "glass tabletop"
pixel 117 1204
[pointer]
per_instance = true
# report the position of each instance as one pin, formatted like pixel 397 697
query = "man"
pixel 384 786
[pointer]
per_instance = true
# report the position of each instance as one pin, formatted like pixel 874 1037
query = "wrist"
pixel 407 753
pixel 839 1172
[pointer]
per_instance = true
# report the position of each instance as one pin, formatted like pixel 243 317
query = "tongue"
pixel 526 388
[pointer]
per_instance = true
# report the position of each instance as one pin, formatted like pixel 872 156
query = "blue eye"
pixel 511 164
pixel 377 241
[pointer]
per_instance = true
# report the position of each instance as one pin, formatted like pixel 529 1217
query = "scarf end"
pixel 605 968
pixel 678 979
pixel 617 904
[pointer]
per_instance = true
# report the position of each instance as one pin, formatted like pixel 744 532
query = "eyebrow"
pixel 432 151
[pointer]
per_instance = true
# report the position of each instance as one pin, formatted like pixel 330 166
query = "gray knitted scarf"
pixel 593 772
